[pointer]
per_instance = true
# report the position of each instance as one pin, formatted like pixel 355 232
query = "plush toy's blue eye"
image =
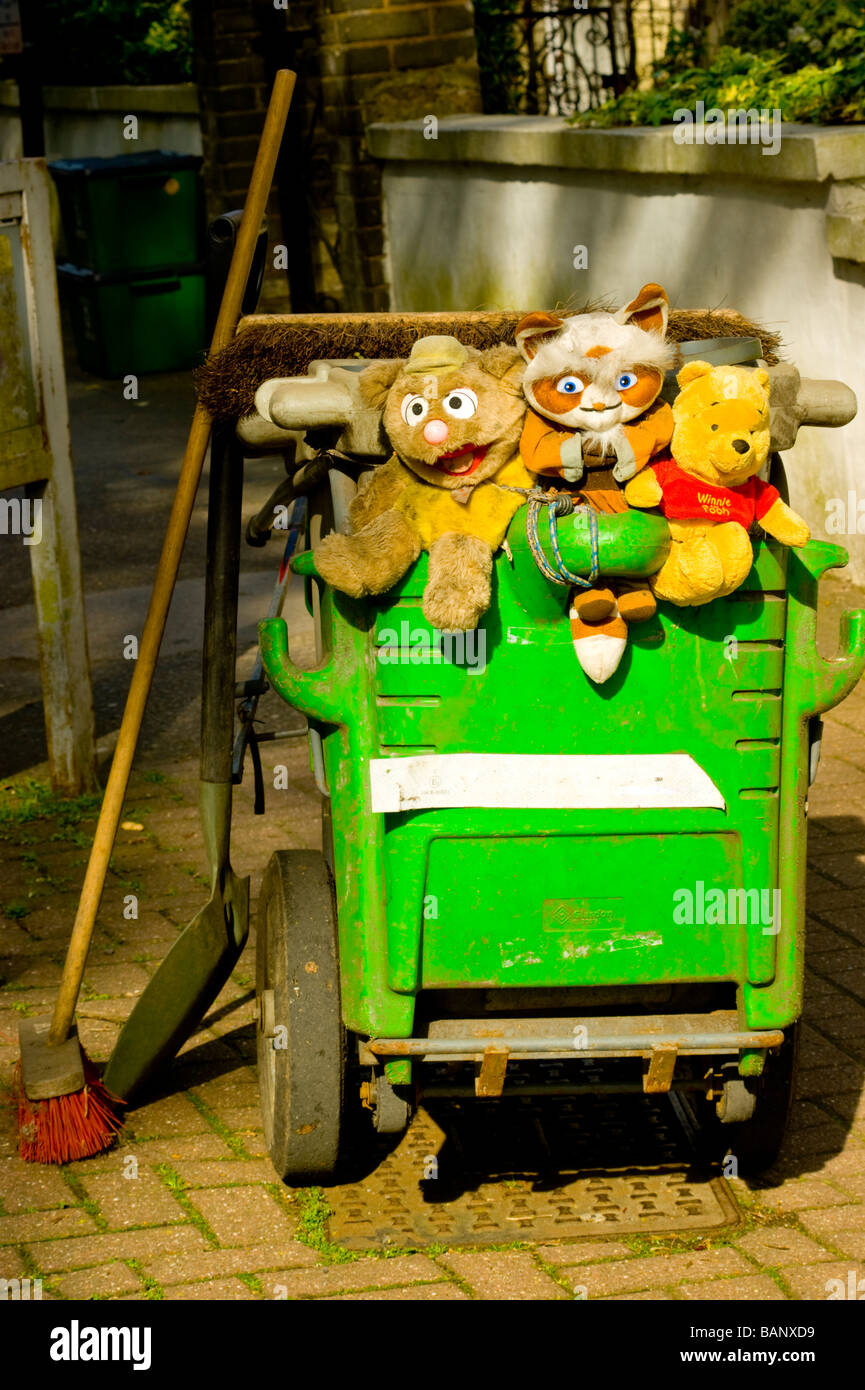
pixel 625 380
pixel 570 385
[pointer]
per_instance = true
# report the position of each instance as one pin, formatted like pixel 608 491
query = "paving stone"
pixel 503 1276
pixel 583 1252
pixel 26 1185
pixel 802 1193
pixel 242 1215
pixel 161 1119
pixel 44 1225
pixel 206 1264
pixel 415 1293
pixel 760 1288
pixel 123 979
pixel 781 1246
pixel 226 1172
pixel 625 1276
pixel 830 1225
pixel 244 1121
pixel 143 1200
pixel 84 1251
pixel 114 1278
pixel 815 1281
pixel 12 1266
pixel 349 1278
pixel 214 1289
pixel 647 1296
pixel 237 1089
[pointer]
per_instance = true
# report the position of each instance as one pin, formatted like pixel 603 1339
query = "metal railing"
pixel 555 59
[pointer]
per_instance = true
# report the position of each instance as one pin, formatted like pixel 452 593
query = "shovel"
pixel 53 1068
pixel 204 955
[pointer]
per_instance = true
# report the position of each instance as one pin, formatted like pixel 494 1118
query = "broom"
pixel 64 1110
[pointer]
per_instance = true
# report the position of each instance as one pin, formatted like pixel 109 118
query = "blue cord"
pixel 560 574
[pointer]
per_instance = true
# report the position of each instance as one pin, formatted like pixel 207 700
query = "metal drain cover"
pixel 488 1172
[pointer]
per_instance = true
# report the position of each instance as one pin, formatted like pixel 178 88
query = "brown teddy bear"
pixel 709 491
pixel 453 416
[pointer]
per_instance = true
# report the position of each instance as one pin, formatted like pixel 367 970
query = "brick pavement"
pixel 188 1206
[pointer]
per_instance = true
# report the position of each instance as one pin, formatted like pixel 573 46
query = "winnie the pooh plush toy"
pixel 453 416
pixel 709 491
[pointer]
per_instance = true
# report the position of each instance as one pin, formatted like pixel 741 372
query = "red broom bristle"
pixel 65 1128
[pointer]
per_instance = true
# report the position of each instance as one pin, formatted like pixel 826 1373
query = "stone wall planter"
pixel 528 212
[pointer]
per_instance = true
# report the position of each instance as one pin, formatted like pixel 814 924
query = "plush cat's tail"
pixel 599 646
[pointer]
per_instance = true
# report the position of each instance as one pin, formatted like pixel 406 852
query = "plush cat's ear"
pixel 534 329
pixel 375 381
pixel 505 363
pixel 649 310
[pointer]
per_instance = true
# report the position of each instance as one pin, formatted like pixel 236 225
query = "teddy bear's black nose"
pixel 741 446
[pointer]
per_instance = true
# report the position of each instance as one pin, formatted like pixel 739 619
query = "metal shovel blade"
pixel 204 955
pixel 182 990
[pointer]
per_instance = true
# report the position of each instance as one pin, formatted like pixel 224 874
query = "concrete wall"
pixel 489 213
pixel 88 121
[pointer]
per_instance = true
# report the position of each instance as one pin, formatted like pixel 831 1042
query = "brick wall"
pixel 384 59
pixel 357 61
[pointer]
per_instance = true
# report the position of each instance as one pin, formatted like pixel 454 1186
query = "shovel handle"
pixel 169 562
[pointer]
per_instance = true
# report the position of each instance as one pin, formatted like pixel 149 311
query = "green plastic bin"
pixel 136 323
pixel 131 212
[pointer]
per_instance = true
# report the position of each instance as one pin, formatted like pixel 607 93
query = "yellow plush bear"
pixel 708 490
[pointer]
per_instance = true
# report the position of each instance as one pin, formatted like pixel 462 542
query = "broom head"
pixel 81 1118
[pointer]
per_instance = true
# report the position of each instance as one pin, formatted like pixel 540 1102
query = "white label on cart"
pixel 541 782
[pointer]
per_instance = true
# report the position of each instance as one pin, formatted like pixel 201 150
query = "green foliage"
pixel 115 41
pixel 31 800
pixel 805 59
pixel 503 76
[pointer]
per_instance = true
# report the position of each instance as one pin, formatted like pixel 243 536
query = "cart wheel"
pixel 391 1112
pixel 300 1035
pixel 750 1119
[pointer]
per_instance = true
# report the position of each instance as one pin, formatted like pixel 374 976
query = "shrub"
pixel 805 59
pixel 98 42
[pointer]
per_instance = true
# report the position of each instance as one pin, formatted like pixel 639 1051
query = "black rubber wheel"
pixel 300 1036
pixel 756 1143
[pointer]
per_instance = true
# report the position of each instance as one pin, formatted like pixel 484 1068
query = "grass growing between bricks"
pixel 152 1288
pixel 231 1139
pixel 314 1210
pixel 177 1187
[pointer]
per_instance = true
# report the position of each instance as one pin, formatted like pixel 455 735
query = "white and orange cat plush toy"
pixel 592 382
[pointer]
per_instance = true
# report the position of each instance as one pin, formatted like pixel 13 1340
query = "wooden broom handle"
pixel 254 209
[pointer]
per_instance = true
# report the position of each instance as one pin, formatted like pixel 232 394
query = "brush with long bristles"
pixel 61 1129
pixel 64 1110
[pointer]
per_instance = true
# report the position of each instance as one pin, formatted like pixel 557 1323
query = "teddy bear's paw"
pixel 336 560
pixel 456 610
pixel 458 589
pixel 673 585
pixel 701 567
pixel 733 546
pixel 372 561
